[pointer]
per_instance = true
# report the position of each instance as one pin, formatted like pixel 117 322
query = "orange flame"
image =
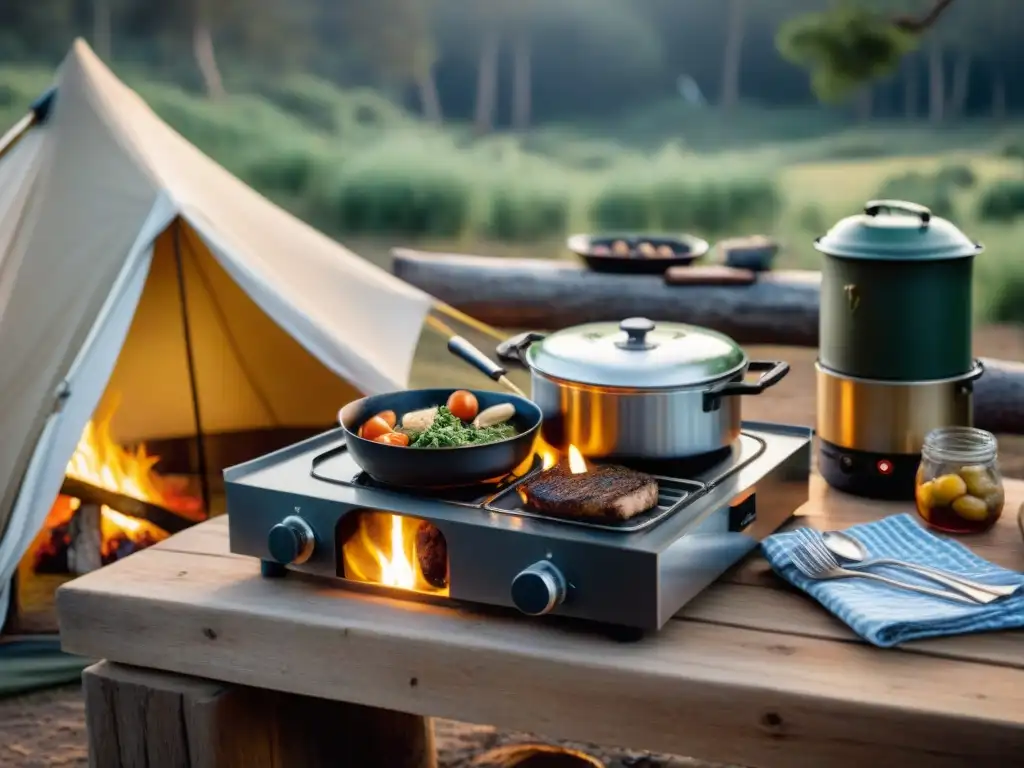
pixel 383 550
pixel 577 464
pixel 101 462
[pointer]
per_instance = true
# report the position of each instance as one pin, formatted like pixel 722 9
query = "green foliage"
pixel 812 220
pixel 714 206
pixel 921 188
pixel 1002 201
pixel 622 207
pixel 1005 299
pixel 843 48
pixel 526 215
pixel 1013 149
pixel 430 201
pixel 959 175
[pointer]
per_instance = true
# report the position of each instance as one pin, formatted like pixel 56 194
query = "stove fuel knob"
pixel 538 589
pixel 291 541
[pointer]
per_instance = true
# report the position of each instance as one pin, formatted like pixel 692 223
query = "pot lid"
pixel 895 230
pixel 637 354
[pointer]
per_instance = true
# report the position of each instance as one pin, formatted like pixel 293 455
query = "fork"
pixel 814 541
pixel 811 565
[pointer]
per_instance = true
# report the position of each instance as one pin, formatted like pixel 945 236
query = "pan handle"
pixel 461 348
pixel 512 350
pixel 774 372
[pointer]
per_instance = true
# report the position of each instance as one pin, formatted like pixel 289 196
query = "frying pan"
pixel 438 467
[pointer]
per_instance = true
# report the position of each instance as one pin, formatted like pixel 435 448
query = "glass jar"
pixel 959 487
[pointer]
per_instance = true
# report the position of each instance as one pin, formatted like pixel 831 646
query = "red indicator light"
pixel 885 467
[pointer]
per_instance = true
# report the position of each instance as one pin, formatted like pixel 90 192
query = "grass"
pixel 356 166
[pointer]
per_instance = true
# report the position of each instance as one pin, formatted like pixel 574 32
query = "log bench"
pixel 207 664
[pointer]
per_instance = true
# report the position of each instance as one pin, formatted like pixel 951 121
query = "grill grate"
pixel 337 466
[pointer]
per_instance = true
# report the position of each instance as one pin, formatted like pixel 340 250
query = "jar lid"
pixel 895 230
pixel 637 354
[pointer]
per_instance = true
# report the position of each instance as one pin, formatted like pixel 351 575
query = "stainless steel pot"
pixel 639 390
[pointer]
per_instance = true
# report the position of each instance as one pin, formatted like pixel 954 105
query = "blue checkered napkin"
pixel 886 616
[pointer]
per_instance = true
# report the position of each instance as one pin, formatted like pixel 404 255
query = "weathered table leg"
pixel 140 718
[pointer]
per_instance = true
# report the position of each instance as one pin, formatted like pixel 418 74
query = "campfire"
pixel 112 503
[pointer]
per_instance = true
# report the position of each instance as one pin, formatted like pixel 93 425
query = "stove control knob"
pixel 291 541
pixel 538 589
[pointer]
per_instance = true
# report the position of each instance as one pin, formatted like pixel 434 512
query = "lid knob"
pixel 636 329
pixel 875 207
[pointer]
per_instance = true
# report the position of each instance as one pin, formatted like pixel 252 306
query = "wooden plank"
pixel 718 692
pixel 144 719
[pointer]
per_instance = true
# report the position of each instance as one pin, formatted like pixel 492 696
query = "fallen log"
pixel 780 308
pixel 88 493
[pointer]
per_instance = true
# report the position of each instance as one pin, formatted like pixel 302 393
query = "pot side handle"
pixel 512 350
pixel 774 372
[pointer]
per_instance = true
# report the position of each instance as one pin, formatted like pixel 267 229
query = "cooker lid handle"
pixel 636 329
pixel 875 207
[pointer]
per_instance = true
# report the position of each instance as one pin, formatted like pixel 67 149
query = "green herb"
pixel 448 431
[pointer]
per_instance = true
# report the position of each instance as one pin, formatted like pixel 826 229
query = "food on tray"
pixel 647 250
pixel 666 252
pixel 621 248
pixel 971 498
pixel 604 492
pixel 600 250
pixel 463 404
pixel 458 423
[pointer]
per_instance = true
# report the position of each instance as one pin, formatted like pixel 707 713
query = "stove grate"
pixel 336 466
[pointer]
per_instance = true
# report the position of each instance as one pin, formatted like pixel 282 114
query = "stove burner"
pixel 674 491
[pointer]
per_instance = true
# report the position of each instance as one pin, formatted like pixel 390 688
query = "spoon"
pixel 850 549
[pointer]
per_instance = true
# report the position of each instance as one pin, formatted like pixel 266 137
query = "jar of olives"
pixel 959 488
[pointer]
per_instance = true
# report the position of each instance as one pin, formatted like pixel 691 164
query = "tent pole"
pixel 204 480
pixel 38 114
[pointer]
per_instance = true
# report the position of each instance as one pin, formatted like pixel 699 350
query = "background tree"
pixel 853 43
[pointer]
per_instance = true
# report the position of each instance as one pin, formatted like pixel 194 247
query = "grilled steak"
pixel 605 492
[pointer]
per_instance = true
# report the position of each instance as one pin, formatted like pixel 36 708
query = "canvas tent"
pixel 120 244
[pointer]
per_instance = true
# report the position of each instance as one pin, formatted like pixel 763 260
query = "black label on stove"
pixel 742 512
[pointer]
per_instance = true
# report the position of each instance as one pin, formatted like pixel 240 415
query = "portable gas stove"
pixel 309 508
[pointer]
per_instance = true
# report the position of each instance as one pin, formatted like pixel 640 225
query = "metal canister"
pixel 895 358
pixel 896 295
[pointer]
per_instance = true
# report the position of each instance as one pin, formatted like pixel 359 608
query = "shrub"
pixel 431 202
pixel 926 190
pixel 957 175
pixel 291 170
pixel 621 207
pixel 812 220
pixel 521 216
pixel 1013 149
pixel 1002 201
pixel 714 207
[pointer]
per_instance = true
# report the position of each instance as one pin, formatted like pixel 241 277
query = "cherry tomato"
pixel 393 438
pixel 463 404
pixel 374 428
pixel 389 417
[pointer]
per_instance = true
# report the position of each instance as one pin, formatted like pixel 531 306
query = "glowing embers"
pixel 394 551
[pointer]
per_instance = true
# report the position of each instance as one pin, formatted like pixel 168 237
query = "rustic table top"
pixel 751 672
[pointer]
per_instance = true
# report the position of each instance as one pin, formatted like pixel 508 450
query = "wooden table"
pixel 751 672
